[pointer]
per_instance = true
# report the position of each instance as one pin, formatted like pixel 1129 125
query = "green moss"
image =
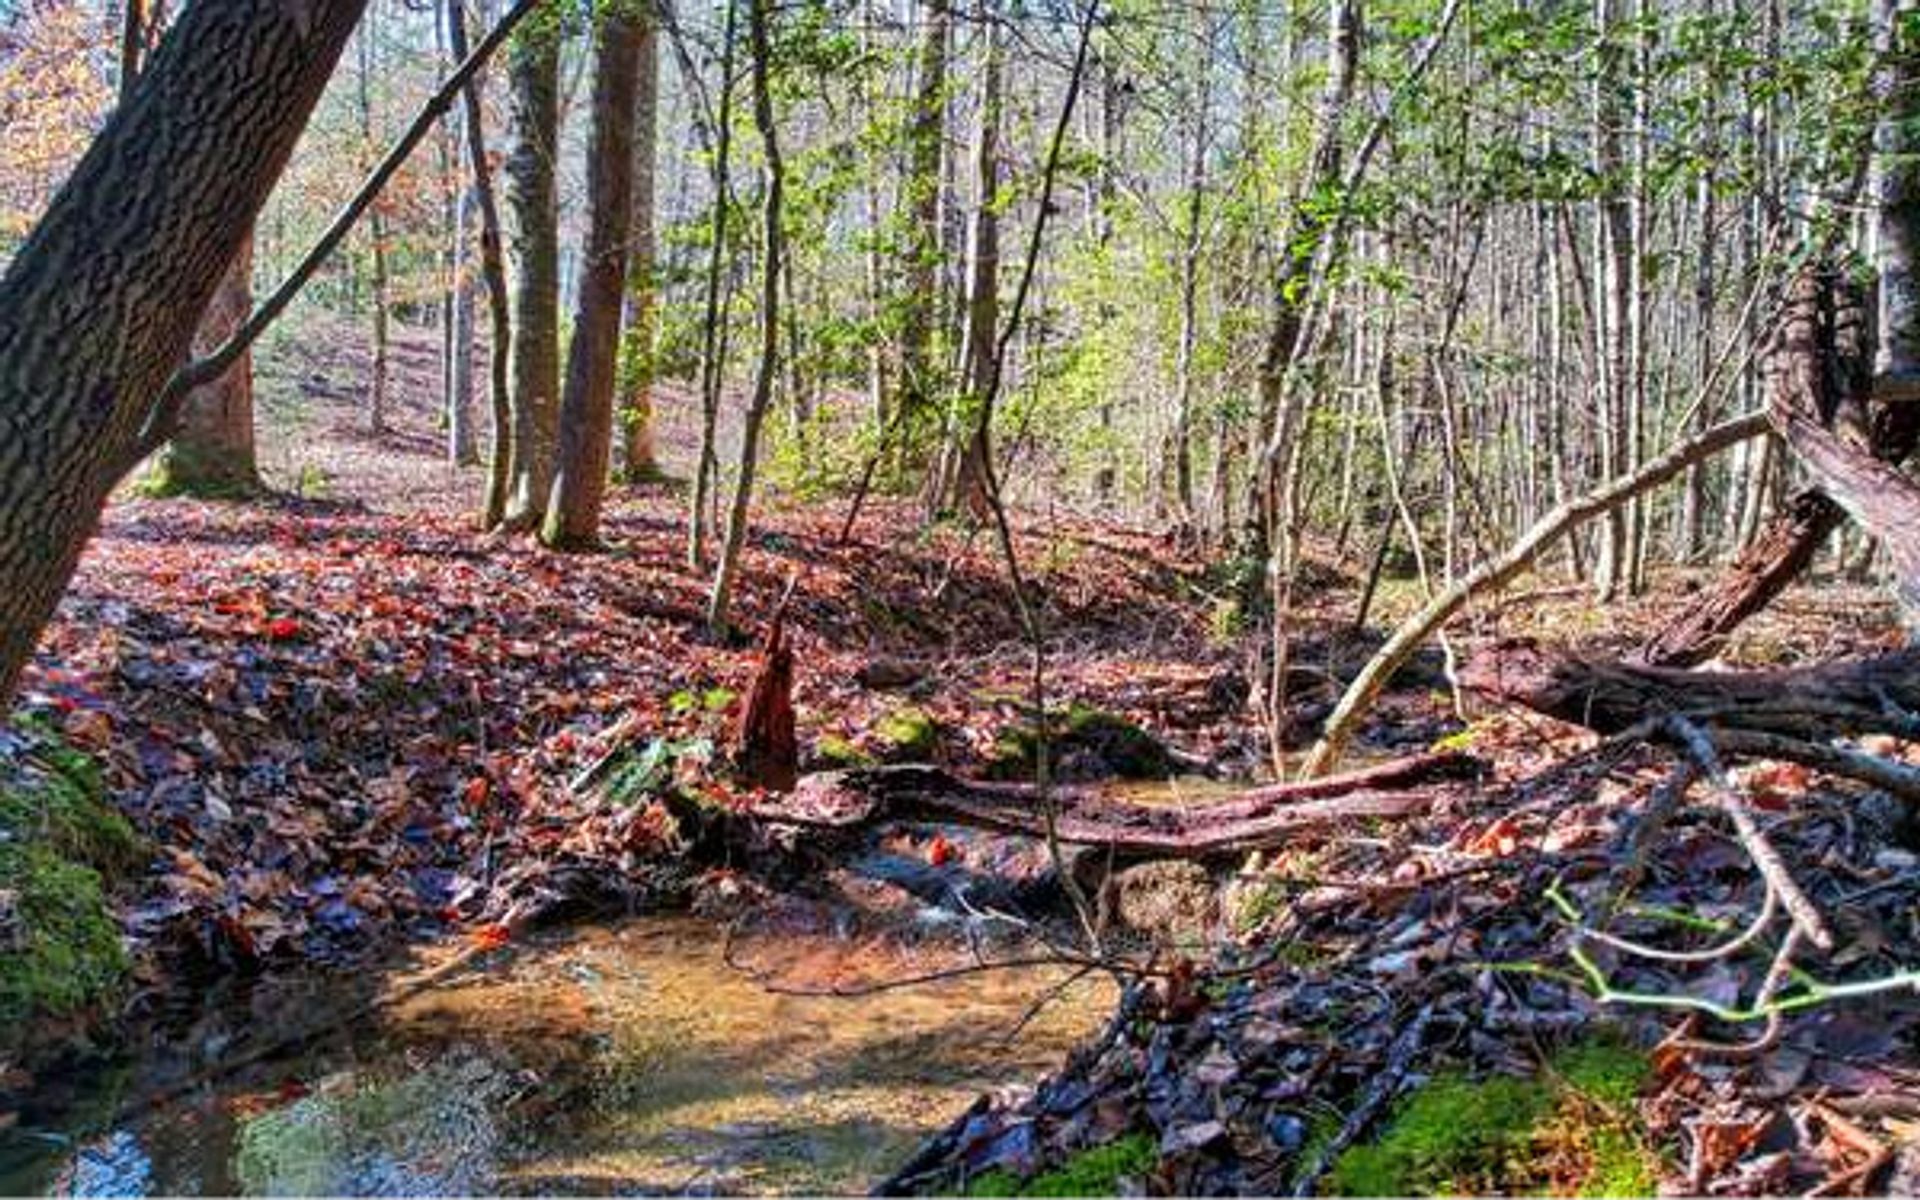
pixel 60 948
pixel 909 733
pixel 1570 1131
pixel 1453 1135
pixel 1122 748
pixel 1096 1171
pixel 837 751
pixel 1604 1072
pixel 63 949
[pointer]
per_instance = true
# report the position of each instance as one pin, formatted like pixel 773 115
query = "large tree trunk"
pixel 773 247
pixel 533 245
pixel 212 452
pixel 640 460
pixel 586 418
pixel 99 306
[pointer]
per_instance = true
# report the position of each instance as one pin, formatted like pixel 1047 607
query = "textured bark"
pixel 640 459
pixel 212 451
pixel 99 306
pixel 765 746
pixel 1762 571
pixel 586 414
pixel 533 251
pixel 1259 818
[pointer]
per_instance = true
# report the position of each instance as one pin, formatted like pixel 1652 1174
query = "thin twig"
pixel 1766 859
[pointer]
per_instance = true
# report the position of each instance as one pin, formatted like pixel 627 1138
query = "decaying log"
pixel 1784 548
pixel 1261 817
pixel 1825 429
pixel 1820 365
pixel 1853 696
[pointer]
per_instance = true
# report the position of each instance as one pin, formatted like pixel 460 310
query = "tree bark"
pixel 533 251
pixel 773 238
pixel 713 367
pixel 586 419
pixel 920 199
pixel 640 458
pixel 493 271
pixel 99 305
pixel 212 451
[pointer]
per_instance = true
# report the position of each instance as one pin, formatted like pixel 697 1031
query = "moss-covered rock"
pixel 838 754
pixel 60 845
pixel 907 734
pixel 1570 1132
pixel 1083 742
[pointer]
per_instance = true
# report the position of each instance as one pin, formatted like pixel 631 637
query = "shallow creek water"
pixel 604 1059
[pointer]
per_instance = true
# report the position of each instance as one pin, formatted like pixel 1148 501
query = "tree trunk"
pixel 773 247
pixel 494 271
pixel 586 419
pixel 376 410
pixel 533 249
pixel 712 333
pixel 920 198
pixel 983 279
pixel 212 453
pixel 100 304
pixel 640 461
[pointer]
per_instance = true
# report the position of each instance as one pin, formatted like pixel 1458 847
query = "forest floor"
pixel 342 718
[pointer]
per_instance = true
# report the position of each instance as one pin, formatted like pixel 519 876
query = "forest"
pixel 936 597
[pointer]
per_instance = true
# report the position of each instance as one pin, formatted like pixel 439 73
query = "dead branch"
pixel 1261 818
pixel 1508 565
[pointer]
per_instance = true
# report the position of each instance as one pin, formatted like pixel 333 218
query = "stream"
pixel 622 1058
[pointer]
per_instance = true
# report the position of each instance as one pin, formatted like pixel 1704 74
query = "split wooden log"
pixel 1259 818
pixel 768 753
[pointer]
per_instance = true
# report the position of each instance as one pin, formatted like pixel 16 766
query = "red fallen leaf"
pixel 282 628
pixel 492 937
pixel 1499 838
pixel 292 1089
pixel 475 793
pixel 940 851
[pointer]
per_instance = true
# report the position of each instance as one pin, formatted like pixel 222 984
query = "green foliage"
pixel 1572 1128
pixel 1097 1171
pixel 657 766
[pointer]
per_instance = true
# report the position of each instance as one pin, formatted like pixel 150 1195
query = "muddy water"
pixel 621 1059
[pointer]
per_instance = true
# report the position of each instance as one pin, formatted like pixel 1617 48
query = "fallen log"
pixel 1260 818
pixel 1852 696
pixel 1790 714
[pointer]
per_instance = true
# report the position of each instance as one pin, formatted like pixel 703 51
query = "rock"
pixel 1173 901
pixel 888 674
